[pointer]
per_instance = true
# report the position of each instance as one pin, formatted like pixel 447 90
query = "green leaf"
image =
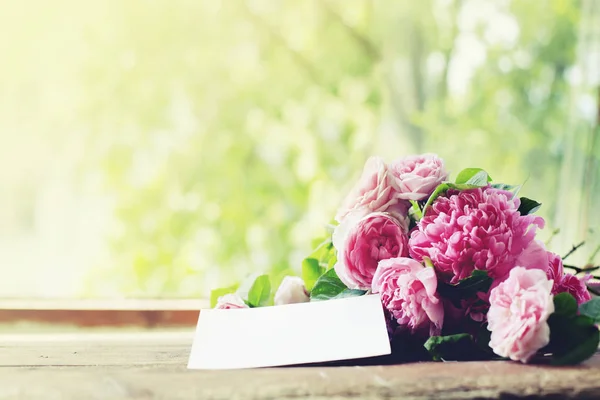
pixel 259 291
pixel 462 186
pixel 509 188
pixel 572 339
pixel 479 179
pixel 416 210
pixel 582 352
pixel 528 206
pixel 322 249
pixel 311 271
pixel 216 293
pixel 350 293
pixel 591 309
pixel 439 191
pixel 565 304
pixel 459 347
pixel 318 242
pixel 483 339
pixel 473 176
pixel 479 281
pixel 332 262
pixel 325 254
pixel 327 286
pixel 255 290
pixel 428 263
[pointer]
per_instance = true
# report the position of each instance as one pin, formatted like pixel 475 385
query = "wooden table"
pixel 152 365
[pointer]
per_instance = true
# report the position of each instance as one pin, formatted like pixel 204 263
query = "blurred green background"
pixel 162 148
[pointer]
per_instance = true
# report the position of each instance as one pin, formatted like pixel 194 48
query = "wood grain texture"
pixel 142 313
pixel 103 318
pixel 152 366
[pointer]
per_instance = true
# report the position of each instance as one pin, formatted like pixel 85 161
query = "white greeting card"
pixel 291 334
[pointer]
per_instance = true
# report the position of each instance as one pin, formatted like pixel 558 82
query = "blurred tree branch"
pixel 298 57
pixel 364 42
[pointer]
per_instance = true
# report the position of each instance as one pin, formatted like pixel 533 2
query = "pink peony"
pixel 408 292
pixel 535 256
pixel 566 282
pixel 373 192
pixel 230 301
pixel 362 242
pixel 473 229
pixel 518 314
pixel 555 269
pixel 416 177
pixel 291 291
pixel 576 287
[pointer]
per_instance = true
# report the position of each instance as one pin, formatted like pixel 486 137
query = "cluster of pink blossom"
pixel 384 248
pixel 448 260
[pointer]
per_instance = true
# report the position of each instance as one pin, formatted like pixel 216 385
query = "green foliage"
pixel 473 176
pixel 481 178
pixel 483 340
pixel 479 281
pixel 565 304
pixel 226 140
pixel 509 188
pixel 350 293
pixel 328 286
pixel 573 338
pixel 260 292
pixel 528 206
pixel 584 349
pixel 415 210
pixel 591 309
pixel 311 271
pixel 325 253
pixel 459 347
pixel 322 259
pixel 256 290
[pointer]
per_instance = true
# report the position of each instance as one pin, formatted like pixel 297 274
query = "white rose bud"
pixel 291 291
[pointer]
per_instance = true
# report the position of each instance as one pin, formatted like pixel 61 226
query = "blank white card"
pixel 292 334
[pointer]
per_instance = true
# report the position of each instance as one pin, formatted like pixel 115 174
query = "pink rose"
pixel 291 291
pixel 566 282
pixel 230 301
pixel 408 292
pixel 518 314
pixel 373 192
pixel 362 242
pixel 475 229
pixel 416 177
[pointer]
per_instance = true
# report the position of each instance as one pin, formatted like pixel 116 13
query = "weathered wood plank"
pixel 105 304
pixel 152 366
pixel 103 313
pixel 87 349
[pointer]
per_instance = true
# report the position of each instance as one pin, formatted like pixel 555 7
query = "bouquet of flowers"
pixel 457 265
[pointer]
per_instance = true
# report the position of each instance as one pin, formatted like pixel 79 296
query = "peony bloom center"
pixel 473 229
